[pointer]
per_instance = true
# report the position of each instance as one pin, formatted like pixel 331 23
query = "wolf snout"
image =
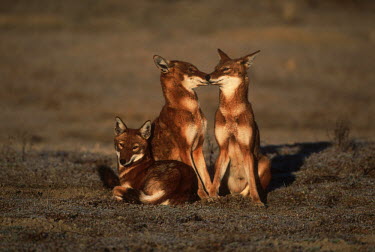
pixel 122 161
pixel 207 77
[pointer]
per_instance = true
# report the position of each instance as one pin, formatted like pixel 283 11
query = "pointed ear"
pixel 120 126
pixel 223 55
pixel 162 63
pixel 248 60
pixel 145 130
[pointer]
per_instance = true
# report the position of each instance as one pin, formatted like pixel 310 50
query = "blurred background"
pixel 68 67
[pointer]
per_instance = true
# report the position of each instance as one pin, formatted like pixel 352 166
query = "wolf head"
pixel 131 145
pixel 183 73
pixel 230 72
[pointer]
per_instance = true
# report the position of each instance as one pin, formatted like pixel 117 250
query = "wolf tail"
pixel 108 176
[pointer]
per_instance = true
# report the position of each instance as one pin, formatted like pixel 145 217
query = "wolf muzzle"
pixel 124 163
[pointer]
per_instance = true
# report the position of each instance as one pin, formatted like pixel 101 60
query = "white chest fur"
pixel 233 111
pixel 229 85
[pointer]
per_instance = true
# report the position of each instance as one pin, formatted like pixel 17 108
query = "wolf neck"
pixel 176 96
pixel 138 167
pixel 234 93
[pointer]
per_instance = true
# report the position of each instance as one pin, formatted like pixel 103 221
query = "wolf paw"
pixel 202 194
pixel 260 204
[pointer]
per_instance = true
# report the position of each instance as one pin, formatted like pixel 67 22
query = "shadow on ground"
pixel 289 158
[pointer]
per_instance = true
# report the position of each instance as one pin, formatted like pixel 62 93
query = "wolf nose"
pixel 207 77
pixel 122 161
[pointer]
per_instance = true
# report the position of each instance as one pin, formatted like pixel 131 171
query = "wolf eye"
pixel 191 69
pixel 135 147
pixel 225 69
pixel 121 146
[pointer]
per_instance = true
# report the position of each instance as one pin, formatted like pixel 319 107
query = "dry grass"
pixel 341 135
pixel 56 200
pixel 337 164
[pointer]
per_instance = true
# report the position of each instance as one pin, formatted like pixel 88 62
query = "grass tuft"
pixel 341 135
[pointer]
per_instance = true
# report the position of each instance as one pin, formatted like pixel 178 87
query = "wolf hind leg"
pixel 264 171
pixel 158 189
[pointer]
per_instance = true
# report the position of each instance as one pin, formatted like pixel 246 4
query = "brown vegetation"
pixel 56 200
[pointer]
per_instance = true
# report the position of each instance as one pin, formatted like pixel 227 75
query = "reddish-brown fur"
pixel 237 132
pixel 178 132
pixel 144 180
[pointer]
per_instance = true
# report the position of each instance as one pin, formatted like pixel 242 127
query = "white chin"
pixel 191 86
pixel 191 83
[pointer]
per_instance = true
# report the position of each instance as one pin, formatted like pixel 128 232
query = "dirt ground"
pixel 321 198
pixel 66 70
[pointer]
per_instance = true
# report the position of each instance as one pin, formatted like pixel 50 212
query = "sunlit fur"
pixel 237 133
pixel 179 130
pixel 144 180
pixel 151 198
